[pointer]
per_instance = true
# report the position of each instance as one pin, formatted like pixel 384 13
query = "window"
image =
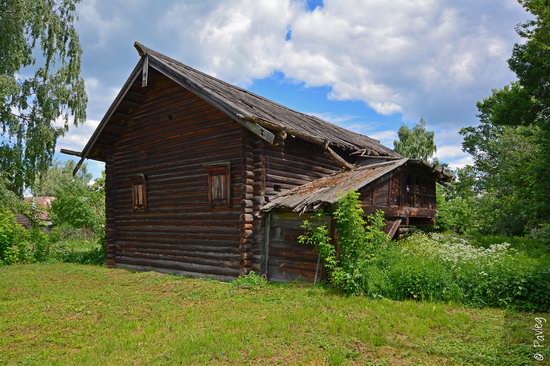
pixel 219 186
pixel 139 193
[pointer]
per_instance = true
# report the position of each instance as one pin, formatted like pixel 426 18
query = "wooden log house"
pixel 204 178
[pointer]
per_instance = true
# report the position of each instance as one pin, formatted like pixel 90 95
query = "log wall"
pixel 168 139
pixel 406 193
pixel 287 259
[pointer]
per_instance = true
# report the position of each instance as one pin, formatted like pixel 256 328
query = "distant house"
pixel 41 205
pixel 204 178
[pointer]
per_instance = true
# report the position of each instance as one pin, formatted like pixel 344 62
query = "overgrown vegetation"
pixel 77 213
pixel 64 243
pixel 358 242
pixel 430 267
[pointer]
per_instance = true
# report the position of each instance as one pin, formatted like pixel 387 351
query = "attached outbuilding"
pixel 204 178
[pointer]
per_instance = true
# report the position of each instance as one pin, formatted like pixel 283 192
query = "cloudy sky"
pixel 368 65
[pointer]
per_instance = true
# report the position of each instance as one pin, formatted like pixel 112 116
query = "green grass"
pixel 63 314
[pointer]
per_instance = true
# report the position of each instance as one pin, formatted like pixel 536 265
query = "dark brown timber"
pixel 207 179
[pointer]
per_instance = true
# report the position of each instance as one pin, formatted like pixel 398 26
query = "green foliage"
pixel 456 212
pixel 482 271
pixel 543 234
pixel 251 281
pixel 510 146
pixel 319 237
pixel 423 278
pixel 66 244
pixel 357 242
pixel 450 268
pixel 78 251
pixel 40 84
pixel 60 175
pixel 14 246
pixel 18 245
pixel 505 160
pixel 8 200
pixel 415 143
pixel 79 206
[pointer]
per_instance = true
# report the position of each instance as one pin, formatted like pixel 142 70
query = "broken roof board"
pixel 327 190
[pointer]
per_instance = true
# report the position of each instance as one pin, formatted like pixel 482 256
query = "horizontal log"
pixel 135 267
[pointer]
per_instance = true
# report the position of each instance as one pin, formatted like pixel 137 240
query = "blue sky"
pixel 368 65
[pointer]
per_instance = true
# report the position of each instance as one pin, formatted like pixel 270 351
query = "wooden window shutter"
pixel 139 192
pixel 219 185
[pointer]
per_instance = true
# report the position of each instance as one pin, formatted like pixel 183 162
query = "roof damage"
pixel 327 190
pixel 248 106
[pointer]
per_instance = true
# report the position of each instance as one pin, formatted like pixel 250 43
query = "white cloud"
pixel 238 40
pixel 423 57
pixel 461 162
pixel 386 137
pixel 97 24
pixel 449 151
pixel 77 137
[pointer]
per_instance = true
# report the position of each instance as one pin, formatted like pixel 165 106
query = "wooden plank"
pixel 267 236
pixel 71 152
pixel 145 71
pixel 394 228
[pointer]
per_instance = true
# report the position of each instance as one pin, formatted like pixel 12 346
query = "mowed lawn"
pixel 78 314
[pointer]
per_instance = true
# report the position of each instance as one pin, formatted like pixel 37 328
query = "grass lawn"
pixel 80 314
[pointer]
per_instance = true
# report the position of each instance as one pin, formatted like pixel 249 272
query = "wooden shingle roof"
pixel 267 119
pixel 275 117
pixel 327 190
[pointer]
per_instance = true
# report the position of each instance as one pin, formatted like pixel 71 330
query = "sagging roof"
pixel 246 105
pixel 327 190
pixel 260 115
pixel 243 104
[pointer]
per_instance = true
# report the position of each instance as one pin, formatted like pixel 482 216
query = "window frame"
pixel 139 180
pixel 214 169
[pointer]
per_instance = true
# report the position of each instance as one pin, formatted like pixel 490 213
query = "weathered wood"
pixel 71 152
pixel 145 71
pixel 267 244
pixel 338 159
pixel 394 227
pixel 175 124
pixel 179 226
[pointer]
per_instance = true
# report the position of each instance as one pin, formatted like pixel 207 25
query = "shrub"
pixel 8 199
pixel 422 278
pixel 65 244
pixel 486 271
pixel 78 251
pixel 543 234
pixel 357 243
pixel 456 214
pixel 14 246
pixel 496 275
pixel 79 206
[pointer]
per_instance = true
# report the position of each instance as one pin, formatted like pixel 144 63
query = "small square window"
pixel 219 186
pixel 139 193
